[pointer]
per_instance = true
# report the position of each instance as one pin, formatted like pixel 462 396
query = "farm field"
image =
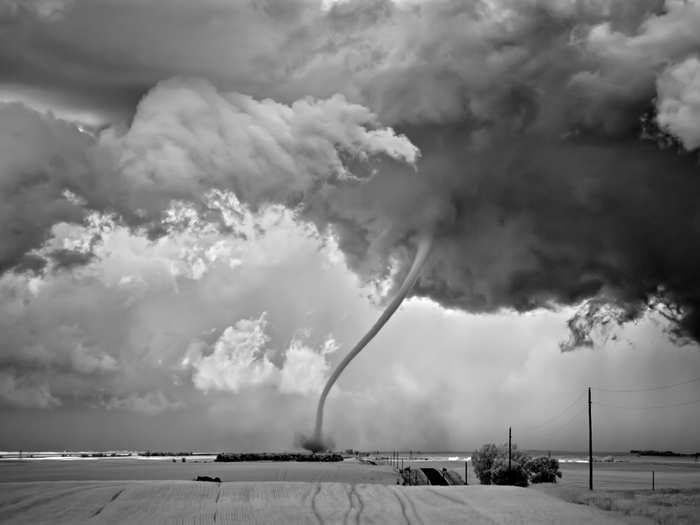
pixel 164 469
pixel 130 490
pixel 152 502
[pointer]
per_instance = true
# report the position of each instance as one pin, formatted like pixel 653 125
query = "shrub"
pixel 482 462
pixel 543 470
pixel 490 464
pixel 502 475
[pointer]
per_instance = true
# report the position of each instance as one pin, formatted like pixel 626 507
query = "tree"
pixel 482 462
pixel 490 464
pixel 543 470
pixel 502 474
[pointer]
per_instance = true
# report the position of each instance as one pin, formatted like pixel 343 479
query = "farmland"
pixel 153 502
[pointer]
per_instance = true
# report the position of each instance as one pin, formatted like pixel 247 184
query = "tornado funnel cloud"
pixel 316 443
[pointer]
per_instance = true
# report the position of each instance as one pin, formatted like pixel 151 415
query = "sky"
pixel 204 206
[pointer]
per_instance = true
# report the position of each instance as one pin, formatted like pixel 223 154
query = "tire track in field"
pixel 414 511
pixel 360 507
pixel 463 503
pixel 216 503
pixel 30 501
pixel 350 493
pixel 448 498
pixel 115 496
pixel 403 508
pixel 314 508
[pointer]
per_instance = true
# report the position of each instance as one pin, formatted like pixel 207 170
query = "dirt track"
pixel 150 502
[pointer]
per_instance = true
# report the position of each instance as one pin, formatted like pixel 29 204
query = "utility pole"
pixel 510 436
pixel 590 443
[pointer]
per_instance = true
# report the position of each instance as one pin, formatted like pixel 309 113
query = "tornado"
pixel 316 443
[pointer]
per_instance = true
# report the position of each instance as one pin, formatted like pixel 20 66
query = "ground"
pixel 151 502
pixel 138 490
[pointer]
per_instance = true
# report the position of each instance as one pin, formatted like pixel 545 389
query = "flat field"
pixel 153 502
pixel 130 490
pixel 109 469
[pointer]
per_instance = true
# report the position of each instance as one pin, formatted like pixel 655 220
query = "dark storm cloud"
pixel 134 44
pixel 65 259
pixel 40 159
pixel 533 175
pixel 186 139
pixel 535 178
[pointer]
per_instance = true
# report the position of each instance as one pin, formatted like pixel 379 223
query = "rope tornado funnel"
pixel 316 443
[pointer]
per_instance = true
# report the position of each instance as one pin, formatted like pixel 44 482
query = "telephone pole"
pixel 590 443
pixel 510 436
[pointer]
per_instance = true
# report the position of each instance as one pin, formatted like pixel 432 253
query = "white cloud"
pixel 678 103
pixel 305 370
pixel 238 360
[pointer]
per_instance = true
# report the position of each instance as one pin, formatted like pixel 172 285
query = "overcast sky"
pixel 204 205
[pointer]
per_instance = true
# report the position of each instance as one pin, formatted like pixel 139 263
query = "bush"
pixel 482 462
pixel 490 464
pixel 502 475
pixel 543 470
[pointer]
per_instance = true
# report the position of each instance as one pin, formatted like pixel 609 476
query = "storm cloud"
pixel 549 147
pixel 528 116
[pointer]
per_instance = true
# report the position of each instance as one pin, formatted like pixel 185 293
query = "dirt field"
pixel 152 502
pixel 347 492
pixel 165 469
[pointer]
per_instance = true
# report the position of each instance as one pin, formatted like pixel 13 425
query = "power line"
pixel 626 407
pixel 562 426
pixel 548 421
pixel 557 430
pixel 661 387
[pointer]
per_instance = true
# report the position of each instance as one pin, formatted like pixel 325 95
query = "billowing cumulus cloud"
pixel 305 370
pixel 239 360
pixel 185 140
pixel 678 104
pixel 118 332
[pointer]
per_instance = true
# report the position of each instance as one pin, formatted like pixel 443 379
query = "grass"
pixel 666 506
